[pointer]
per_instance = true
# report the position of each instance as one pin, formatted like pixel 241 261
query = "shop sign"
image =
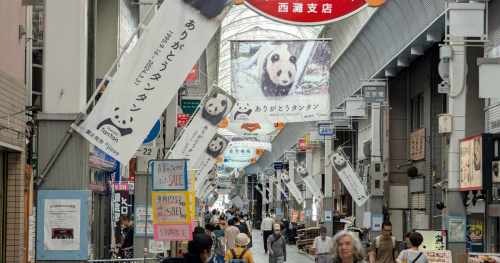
pixel 99 187
pixel 182 119
pixel 240 154
pixel 308 12
pixel 189 106
pixel 374 94
pixel 494 210
pixel 417 145
pixel 303 146
pixel 433 239
pixel 326 129
pixel 278 166
pixel 269 172
pixel 476 162
pixel 290 155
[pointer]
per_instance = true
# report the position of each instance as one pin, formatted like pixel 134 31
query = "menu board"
pixel 438 256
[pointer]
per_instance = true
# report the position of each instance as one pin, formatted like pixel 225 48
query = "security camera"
pixel 444 87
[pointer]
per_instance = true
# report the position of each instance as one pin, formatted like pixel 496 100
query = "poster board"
pixel 438 256
pixel 45 221
pixel 433 239
pixel 475 162
pixel 169 175
pixel 457 229
pixel 417 145
pixel 140 220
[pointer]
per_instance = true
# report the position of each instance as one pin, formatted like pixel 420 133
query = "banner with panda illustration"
pixel 309 181
pixel 206 184
pixel 349 178
pixel 202 128
pixel 294 190
pixel 280 81
pixel 151 75
pixel 207 161
pixel 271 195
pixel 277 183
pixel 264 199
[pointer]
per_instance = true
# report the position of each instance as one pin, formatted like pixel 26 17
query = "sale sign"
pixel 170 175
pixel 171 207
pixel 173 232
pixel 307 12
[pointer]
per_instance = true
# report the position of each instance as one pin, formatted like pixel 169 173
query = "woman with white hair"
pixel 347 248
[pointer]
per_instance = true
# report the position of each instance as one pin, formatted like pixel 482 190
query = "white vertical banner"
pixel 264 199
pixel 151 75
pixel 265 189
pixel 309 181
pixel 236 199
pixel 210 183
pixel 292 188
pixel 208 159
pixel 348 176
pixel 202 128
pixel 277 183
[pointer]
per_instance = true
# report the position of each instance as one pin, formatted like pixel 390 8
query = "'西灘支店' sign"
pixel 307 12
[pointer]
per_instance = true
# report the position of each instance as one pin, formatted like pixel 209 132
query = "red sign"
pixel 303 146
pixel 132 178
pixel 306 12
pixel 122 187
pixel 182 119
pixel 193 74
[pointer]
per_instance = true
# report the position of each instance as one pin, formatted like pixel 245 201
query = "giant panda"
pixel 339 161
pixel 277 70
pixel 302 171
pixel 216 109
pixel 215 147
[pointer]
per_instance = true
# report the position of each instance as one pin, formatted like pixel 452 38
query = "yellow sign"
pixel 308 140
pixel 171 207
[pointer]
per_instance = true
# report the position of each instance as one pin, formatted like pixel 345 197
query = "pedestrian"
pixel 199 249
pixel 321 246
pixel 383 248
pixel 229 215
pixel 267 229
pixel 248 224
pixel 230 236
pixel 209 230
pixel 405 244
pixel 126 246
pixel 413 255
pixel 346 248
pixel 243 229
pixel 273 215
pixel 276 244
pixel 240 251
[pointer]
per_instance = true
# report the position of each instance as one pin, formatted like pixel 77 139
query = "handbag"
pixel 405 258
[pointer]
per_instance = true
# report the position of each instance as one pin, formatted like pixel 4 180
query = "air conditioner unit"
pixel 444 123
pixel 377 171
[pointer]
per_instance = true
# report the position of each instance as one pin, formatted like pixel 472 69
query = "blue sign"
pixel 221 169
pixel 325 129
pixel 278 166
pixel 153 134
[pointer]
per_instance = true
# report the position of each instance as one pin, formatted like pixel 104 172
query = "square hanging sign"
pixel 170 175
pixel 326 129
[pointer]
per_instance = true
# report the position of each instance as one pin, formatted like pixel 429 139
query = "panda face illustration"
pixel 118 124
pixel 285 178
pixel 243 110
pixel 302 171
pixel 216 109
pixel 339 161
pixel 215 147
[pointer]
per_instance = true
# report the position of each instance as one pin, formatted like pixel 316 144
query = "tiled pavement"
pixel 293 255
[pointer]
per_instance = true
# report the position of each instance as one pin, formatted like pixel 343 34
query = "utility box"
pixel 467 20
pixel 377 170
pixel 444 123
pixel 489 79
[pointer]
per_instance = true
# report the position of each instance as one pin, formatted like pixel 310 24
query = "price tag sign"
pixel 147 151
pixel 326 129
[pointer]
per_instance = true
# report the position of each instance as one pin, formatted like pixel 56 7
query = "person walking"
pixel 248 224
pixel 276 244
pixel 273 215
pixel 240 251
pixel 237 223
pixel 230 236
pixel 322 246
pixel 405 244
pixel 267 229
pixel 199 249
pixel 383 248
pixel 347 248
pixel 413 255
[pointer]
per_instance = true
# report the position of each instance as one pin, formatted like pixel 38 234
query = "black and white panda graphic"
pixel 302 171
pixel 216 109
pixel 242 110
pixel 215 147
pixel 338 161
pixel 117 124
pixel 285 178
pixel 277 70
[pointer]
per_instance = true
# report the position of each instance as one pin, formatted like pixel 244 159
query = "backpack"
pixel 240 258
pixel 245 227
pixel 377 244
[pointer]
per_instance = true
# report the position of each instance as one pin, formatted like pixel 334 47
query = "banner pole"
pixel 71 130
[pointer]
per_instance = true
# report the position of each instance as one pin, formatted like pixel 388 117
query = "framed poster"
pixel 475 162
pixel 140 220
pixel 377 222
pixel 417 145
pixel 308 213
pixel 457 229
pixel 62 225
pixel 169 175
pixel 328 216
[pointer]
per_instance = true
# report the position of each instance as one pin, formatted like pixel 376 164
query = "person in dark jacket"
pixel 199 249
pixel 276 244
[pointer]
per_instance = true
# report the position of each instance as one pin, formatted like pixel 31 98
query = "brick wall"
pixel 15 207
pixel 12 100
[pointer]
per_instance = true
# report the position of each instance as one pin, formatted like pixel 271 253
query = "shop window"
pixel 417 112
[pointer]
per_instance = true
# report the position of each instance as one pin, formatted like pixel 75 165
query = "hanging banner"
pixel 240 154
pixel 309 181
pixel 169 175
pixel 62 224
pixel 193 74
pixel 208 159
pixel 277 183
pixel 280 81
pixel 307 12
pixel 235 164
pixel 151 75
pixel 122 205
pixel 236 199
pixel 294 190
pixel 250 129
pixel 171 207
pixel 348 176
pixel 200 132
pixel 200 187
pixel 264 199
pixel 270 195
pixel 268 146
pixel 209 185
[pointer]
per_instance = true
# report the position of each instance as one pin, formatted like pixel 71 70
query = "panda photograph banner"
pixel 277 183
pixel 294 190
pixel 309 181
pixel 208 159
pixel 214 110
pixel 144 84
pixel 280 81
pixel 349 178
pixel 264 199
